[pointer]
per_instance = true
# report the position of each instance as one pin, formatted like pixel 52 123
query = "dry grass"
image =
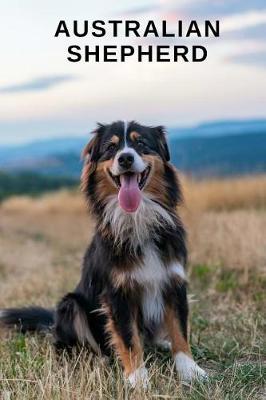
pixel 63 201
pixel 42 243
pixel 232 240
pixel 227 194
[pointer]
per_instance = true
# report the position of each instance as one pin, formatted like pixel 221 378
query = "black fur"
pixel 122 308
pixel 28 319
pixel 176 296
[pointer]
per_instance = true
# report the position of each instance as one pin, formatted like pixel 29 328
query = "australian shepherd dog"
pixel 133 286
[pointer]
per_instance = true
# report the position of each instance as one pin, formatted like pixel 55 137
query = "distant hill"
pixel 221 155
pixel 28 153
pixel 221 128
pixel 214 149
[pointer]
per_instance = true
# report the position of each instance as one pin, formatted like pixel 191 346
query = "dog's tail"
pixel 29 319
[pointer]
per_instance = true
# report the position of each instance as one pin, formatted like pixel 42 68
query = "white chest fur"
pixel 153 275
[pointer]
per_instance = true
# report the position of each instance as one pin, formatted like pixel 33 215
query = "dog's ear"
pixel 163 146
pixel 91 151
pixel 90 156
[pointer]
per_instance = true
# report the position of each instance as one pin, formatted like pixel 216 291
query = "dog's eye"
pixel 141 145
pixel 111 147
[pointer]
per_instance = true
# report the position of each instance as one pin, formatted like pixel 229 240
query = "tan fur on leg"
pixel 175 335
pixel 131 359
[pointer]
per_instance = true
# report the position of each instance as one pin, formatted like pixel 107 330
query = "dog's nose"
pixel 126 160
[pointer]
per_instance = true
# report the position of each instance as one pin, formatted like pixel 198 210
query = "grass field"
pixel 41 247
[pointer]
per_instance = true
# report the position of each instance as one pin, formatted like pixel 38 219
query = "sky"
pixel 42 95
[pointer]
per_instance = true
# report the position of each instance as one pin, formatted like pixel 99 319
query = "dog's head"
pixel 129 162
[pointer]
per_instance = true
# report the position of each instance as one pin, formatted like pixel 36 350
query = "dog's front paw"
pixel 139 378
pixel 163 344
pixel 187 369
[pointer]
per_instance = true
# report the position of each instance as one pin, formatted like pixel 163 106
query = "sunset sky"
pixel 42 95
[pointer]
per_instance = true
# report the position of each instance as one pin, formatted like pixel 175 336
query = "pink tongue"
pixel 129 195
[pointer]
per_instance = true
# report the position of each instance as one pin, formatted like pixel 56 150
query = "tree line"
pixel 32 184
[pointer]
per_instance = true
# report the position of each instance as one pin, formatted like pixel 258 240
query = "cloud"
pixel 36 85
pixel 198 9
pixel 247 30
pixel 161 7
pixel 215 9
pixel 253 58
pixel 141 10
pixel 243 20
pixel 257 33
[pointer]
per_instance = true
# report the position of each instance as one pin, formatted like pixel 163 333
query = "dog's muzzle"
pixel 129 173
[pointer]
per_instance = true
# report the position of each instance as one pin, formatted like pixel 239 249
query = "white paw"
pixel 163 344
pixel 187 368
pixel 139 378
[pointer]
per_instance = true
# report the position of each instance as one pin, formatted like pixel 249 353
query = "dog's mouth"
pixel 130 185
pixel 141 178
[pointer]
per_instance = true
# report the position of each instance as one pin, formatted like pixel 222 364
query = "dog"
pixel 133 286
